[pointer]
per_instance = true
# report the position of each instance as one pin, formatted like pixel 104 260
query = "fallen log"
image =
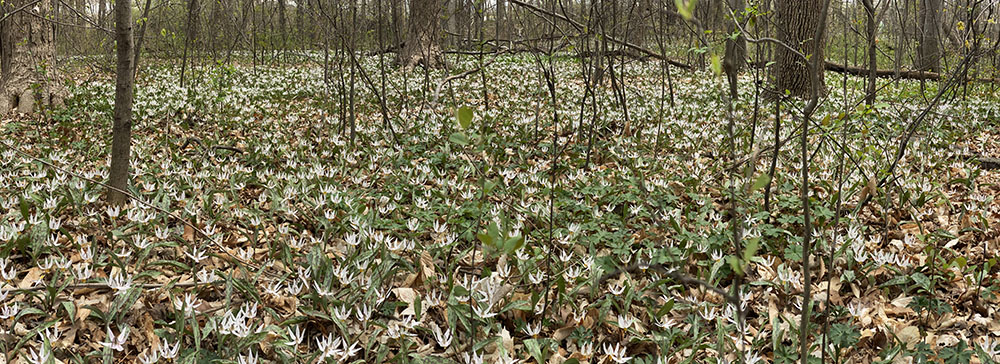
pixel 858 71
pixel 906 75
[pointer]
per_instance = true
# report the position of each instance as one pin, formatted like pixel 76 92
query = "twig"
pixel 580 27
pixel 106 286
pixel 675 275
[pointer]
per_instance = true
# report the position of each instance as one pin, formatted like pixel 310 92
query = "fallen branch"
pixel 446 80
pixel 906 75
pixel 100 286
pixel 675 275
pixel 987 163
pixel 194 140
pixel 858 71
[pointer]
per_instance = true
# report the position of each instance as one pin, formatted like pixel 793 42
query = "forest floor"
pixel 449 226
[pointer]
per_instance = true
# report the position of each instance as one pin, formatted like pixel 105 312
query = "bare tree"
pixel 798 22
pixel 27 57
pixel 423 41
pixel 501 20
pixel 736 48
pixel 121 142
pixel 928 51
pixel 191 34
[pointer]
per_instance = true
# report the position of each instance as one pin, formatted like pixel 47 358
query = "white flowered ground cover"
pixel 414 244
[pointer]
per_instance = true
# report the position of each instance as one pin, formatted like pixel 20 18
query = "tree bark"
pixel 928 51
pixel 423 43
pixel 797 25
pixel 872 55
pixel 736 49
pixel 121 142
pixel 282 24
pixel 397 22
pixel 137 51
pixel 501 21
pixel 27 58
pixel 190 38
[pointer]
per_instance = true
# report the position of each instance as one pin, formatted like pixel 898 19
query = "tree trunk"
pixel 27 58
pixel 797 23
pixel 397 22
pixel 102 16
pixel 138 39
pixel 928 52
pixel 300 10
pixel 736 49
pixel 282 24
pixel 190 39
pixel 872 55
pixel 451 23
pixel 422 43
pixel 122 129
pixel 501 21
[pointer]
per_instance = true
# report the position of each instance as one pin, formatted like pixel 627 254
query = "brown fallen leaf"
pixel 188 233
pixel 563 332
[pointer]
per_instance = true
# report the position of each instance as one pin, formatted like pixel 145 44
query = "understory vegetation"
pixel 476 220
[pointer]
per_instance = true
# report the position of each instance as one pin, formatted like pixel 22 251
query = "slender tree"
pixel 191 34
pixel 736 48
pixel 928 51
pixel 501 19
pixel 121 142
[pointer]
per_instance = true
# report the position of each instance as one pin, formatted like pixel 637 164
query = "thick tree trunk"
pixel 282 24
pixel 422 43
pixel 451 18
pixel 27 58
pixel 121 142
pixel 928 50
pixel 397 22
pixel 872 55
pixel 797 23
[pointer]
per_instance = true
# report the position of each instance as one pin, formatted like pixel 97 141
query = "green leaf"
pixel 513 244
pixel 716 65
pixel 760 182
pixel 793 252
pixel 735 264
pixel 536 349
pixel 486 239
pixel 494 232
pixel 459 138
pixel 665 308
pixel 70 310
pixel 983 356
pixel 921 280
pixel 750 250
pixel 464 115
pixel 489 185
pixel 417 303
pixel 685 8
